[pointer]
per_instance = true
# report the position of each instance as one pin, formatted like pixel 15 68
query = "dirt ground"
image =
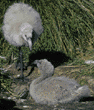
pixel 22 89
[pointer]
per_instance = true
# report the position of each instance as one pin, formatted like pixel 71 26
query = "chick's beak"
pixel 29 43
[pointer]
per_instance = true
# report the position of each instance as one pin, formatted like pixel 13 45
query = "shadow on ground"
pixel 56 58
pixel 6 104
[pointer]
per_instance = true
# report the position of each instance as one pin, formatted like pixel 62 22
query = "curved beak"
pixel 29 43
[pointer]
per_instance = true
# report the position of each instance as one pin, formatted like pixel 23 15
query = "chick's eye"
pixel 26 36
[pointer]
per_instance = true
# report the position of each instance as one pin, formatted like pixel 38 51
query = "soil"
pixel 20 98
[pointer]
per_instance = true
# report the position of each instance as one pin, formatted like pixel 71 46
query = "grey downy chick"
pixel 53 90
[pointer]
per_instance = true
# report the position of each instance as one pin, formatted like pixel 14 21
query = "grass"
pixel 92 0
pixel 65 27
